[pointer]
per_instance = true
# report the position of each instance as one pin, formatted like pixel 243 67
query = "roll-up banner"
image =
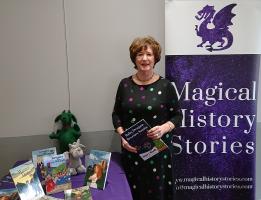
pixel 212 59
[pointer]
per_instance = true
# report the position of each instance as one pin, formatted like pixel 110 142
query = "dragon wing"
pixel 223 18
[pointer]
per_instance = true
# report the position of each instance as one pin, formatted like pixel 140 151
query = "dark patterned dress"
pixel 157 103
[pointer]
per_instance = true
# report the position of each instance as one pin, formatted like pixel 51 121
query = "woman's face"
pixel 145 60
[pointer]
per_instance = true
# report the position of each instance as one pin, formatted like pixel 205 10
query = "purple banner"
pixel 214 150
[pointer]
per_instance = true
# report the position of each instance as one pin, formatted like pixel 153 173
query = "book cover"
pixel 97 168
pixel 82 193
pixel 6 194
pixel 57 174
pixel 136 136
pixel 26 181
pixel 37 157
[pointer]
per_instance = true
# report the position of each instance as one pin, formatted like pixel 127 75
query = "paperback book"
pixel 27 182
pixel 57 174
pixel 6 194
pixel 82 193
pixel 97 168
pixel 136 136
pixel 37 157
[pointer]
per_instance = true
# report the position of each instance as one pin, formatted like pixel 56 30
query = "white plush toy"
pixel 74 155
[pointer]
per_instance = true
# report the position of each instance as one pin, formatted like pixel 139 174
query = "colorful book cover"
pixel 6 194
pixel 26 181
pixel 136 136
pixel 97 169
pixel 37 157
pixel 82 193
pixel 58 176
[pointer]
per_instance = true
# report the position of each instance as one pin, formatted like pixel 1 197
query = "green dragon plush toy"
pixel 68 133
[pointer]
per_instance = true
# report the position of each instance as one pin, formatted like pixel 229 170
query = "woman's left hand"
pixel 157 132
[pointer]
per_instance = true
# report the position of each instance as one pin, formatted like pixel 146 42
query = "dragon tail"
pixel 229 37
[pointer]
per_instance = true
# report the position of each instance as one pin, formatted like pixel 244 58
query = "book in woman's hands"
pixel 136 136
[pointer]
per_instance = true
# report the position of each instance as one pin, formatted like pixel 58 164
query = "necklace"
pixel 146 80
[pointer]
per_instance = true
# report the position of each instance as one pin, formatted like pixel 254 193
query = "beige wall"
pixel 35 82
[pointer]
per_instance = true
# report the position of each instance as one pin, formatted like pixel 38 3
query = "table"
pixel 117 187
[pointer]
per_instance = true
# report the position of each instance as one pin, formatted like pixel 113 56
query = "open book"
pixel 136 136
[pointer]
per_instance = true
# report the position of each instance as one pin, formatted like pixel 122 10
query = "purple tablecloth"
pixel 117 187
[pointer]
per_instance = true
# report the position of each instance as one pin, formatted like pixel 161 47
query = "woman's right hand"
pixel 127 146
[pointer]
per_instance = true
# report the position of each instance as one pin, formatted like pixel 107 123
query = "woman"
pixel 146 95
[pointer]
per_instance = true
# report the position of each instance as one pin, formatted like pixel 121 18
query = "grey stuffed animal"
pixel 74 156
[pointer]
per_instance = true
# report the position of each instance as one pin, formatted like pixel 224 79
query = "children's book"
pixel 57 174
pixel 136 136
pixel 97 165
pixel 6 194
pixel 26 181
pixel 82 193
pixel 37 157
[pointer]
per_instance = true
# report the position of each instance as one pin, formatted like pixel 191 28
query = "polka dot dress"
pixel 156 103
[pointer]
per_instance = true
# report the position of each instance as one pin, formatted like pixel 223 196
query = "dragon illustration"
pixel 220 23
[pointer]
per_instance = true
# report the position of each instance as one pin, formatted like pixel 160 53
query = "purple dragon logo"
pixel 218 36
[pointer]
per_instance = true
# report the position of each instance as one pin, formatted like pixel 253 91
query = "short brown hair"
pixel 143 42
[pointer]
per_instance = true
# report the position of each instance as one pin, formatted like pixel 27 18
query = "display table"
pixel 117 187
